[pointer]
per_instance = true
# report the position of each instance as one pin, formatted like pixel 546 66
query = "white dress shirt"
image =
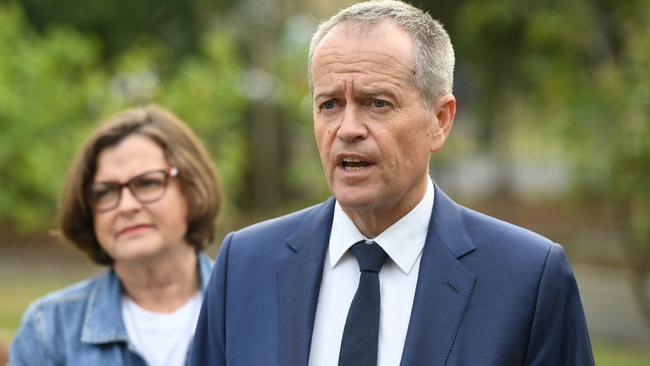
pixel 403 242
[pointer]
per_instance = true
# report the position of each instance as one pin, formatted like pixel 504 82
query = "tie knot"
pixel 371 256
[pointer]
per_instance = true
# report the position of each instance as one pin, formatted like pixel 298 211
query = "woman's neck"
pixel 161 284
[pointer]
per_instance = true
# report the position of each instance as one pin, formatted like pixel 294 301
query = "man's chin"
pixel 355 201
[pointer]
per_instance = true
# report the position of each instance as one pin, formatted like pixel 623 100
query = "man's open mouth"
pixel 354 163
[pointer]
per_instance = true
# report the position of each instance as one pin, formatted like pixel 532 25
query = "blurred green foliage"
pixel 612 354
pixel 55 87
pixel 579 69
pixel 121 24
pixel 206 92
pixel 50 88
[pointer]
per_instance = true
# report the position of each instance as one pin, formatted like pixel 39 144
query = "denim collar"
pixel 103 316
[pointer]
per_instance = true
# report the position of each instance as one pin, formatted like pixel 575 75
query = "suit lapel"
pixel 444 287
pixel 298 284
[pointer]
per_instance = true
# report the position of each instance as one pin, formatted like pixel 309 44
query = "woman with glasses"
pixel 141 198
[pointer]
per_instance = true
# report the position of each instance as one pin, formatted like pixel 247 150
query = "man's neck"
pixel 373 220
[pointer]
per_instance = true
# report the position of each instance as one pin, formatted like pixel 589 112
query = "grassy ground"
pixel 27 275
pixel 20 294
pixel 612 354
pixel 20 291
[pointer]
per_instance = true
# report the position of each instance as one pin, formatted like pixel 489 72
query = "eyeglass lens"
pixel 146 188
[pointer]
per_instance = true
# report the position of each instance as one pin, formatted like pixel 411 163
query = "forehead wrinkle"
pixel 369 70
pixel 368 84
pixel 349 59
pixel 346 56
pixel 329 89
pixel 340 87
pixel 378 89
pixel 371 75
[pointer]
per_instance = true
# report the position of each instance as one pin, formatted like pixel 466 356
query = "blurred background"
pixel 552 131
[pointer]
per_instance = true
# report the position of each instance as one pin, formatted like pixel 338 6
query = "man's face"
pixel 373 131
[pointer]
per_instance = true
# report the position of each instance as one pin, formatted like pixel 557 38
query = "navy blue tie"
pixel 359 342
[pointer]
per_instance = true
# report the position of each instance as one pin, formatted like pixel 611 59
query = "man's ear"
pixel 445 111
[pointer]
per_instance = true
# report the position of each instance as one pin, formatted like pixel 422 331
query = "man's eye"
pixel 379 103
pixel 330 104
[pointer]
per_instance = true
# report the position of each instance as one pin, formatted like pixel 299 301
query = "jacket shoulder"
pixel 491 233
pixel 77 292
pixel 278 228
pixel 47 321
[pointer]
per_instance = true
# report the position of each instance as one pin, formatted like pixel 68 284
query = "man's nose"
pixel 352 126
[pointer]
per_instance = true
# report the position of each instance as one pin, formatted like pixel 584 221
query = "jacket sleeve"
pixel 559 330
pixel 209 344
pixel 28 346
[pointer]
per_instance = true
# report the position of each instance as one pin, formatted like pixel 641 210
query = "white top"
pixel 403 242
pixel 162 339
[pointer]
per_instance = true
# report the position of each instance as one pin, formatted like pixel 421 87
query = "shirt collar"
pixel 205 268
pixel 411 229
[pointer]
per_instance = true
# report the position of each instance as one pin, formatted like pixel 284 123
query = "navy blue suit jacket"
pixel 488 293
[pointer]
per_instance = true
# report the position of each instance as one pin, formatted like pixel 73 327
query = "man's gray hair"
pixel 433 58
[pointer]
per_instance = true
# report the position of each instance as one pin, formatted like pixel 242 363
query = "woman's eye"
pixel 148 183
pixel 101 193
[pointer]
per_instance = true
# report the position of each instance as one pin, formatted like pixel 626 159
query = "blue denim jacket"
pixel 81 325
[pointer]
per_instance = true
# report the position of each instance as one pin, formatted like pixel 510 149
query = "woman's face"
pixel 133 231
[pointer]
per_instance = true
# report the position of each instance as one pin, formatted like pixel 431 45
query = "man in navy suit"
pixel 452 286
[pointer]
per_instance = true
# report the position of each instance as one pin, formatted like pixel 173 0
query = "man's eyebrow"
pixel 327 93
pixel 377 91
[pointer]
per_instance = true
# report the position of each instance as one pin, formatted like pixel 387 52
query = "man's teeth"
pixel 355 164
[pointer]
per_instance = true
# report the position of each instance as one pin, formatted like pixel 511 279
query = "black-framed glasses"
pixel 147 187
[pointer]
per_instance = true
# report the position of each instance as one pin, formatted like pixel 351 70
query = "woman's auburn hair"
pixel 182 149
